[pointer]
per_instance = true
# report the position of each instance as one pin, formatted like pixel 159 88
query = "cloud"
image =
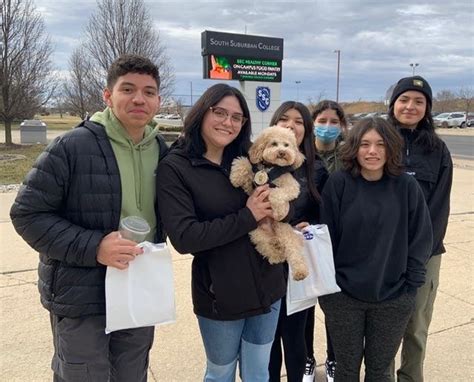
pixel 378 40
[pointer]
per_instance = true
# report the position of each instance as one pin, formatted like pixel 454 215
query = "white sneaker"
pixel 330 370
pixel 309 370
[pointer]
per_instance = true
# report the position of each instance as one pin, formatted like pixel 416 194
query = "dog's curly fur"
pixel 276 241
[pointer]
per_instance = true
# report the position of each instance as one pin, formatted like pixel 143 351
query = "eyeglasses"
pixel 220 115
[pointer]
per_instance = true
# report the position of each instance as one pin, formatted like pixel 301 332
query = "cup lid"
pixel 136 224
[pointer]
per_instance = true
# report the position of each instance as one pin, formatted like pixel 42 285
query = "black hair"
pixel 193 141
pixel 307 145
pixel 392 140
pixel 331 105
pixel 131 63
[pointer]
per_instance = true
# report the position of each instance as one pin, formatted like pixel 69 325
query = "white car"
pixel 173 116
pixel 456 119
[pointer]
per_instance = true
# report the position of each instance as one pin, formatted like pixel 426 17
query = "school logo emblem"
pixel 263 98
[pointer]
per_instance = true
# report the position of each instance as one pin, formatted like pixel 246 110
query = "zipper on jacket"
pixel 407 143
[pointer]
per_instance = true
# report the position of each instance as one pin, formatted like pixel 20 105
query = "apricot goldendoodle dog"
pixel 272 158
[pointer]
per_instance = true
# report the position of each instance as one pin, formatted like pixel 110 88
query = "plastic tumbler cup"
pixel 134 228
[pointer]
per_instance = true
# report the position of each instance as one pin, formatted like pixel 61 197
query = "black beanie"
pixel 417 83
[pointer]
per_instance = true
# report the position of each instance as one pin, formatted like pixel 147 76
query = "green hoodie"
pixel 137 164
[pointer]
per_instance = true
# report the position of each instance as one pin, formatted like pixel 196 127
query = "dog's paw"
pixel 300 274
pixel 241 174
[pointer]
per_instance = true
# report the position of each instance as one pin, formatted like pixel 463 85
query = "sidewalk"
pixel 178 356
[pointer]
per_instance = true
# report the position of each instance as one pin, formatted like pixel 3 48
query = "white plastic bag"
pixel 143 294
pixel 321 280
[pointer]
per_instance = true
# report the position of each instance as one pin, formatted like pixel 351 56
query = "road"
pixel 460 146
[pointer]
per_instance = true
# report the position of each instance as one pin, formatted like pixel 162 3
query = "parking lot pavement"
pixel 177 354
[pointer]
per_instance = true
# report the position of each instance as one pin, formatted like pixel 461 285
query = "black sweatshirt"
pixel 381 234
pixel 305 208
pixel 204 215
pixel 434 173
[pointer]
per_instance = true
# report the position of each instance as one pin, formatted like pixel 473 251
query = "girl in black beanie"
pixel 428 160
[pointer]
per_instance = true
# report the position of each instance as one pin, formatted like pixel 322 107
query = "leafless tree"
pixel 82 96
pixel 120 27
pixel 313 101
pixel 445 100
pixel 26 77
pixel 58 101
pixel 466 94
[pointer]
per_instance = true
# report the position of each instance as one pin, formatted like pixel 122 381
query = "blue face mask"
pixel 327 133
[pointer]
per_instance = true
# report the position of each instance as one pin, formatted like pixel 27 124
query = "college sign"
pixel 228 56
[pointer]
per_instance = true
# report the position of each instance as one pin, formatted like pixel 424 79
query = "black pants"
pixel 83 352
pixel 309 337
pixel 290 331
pixel 372 331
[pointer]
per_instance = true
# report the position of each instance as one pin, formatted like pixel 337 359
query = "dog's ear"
pixel 299 159
pixel 256 150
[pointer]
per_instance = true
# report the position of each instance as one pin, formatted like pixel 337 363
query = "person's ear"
pixel 107 97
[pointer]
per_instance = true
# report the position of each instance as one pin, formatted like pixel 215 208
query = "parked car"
pixel 448 120
pixel 173 116
pixel 470 121
pixel 358 116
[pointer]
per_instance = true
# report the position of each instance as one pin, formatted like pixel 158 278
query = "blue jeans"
pixel 248 340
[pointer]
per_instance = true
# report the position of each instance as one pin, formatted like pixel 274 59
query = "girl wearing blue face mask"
pixel 329 127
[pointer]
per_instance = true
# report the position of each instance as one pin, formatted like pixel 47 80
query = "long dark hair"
pixel 307 145
pixel 193 142
pixel 392 140
pixel 427 137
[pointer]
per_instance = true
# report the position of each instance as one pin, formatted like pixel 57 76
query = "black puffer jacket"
pixel 204 215
pixel 68 202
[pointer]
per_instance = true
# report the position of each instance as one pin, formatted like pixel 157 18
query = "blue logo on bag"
pixel 308 235
pixel 263 98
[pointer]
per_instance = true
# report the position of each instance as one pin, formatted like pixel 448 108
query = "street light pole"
pixel 191 82
pixel 413 66
pixel 337 78
pixel 297 90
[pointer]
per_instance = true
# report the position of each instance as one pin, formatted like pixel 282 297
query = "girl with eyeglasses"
pixel 236 293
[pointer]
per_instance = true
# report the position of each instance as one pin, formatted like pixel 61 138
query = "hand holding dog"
pixel 258 203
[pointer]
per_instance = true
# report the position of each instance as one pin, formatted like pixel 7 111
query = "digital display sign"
pixel 241 69
pixel 229 56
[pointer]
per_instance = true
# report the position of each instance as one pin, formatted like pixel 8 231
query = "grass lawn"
pixel 53 121
pixel 16 161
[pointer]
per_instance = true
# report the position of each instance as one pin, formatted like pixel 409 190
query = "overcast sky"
pixel 378 40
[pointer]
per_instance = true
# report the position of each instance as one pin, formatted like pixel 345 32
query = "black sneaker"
pixel 309 370
pixel 330 370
